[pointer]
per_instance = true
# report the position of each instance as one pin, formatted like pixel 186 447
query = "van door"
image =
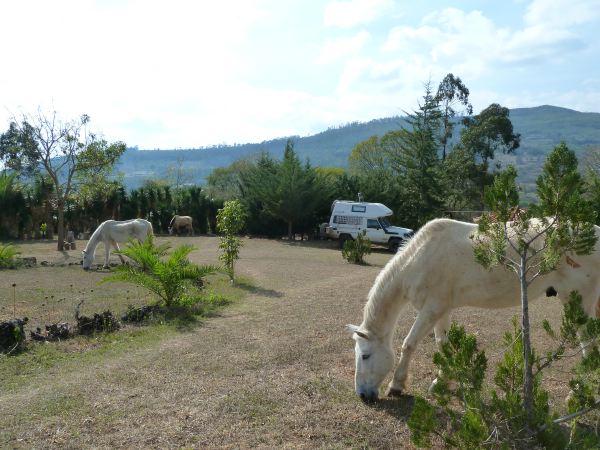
pixel 375 232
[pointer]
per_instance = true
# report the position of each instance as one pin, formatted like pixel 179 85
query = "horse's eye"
pixel 365 357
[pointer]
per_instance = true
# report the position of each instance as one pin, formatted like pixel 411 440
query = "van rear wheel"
pixel 343 238
pixel 394 244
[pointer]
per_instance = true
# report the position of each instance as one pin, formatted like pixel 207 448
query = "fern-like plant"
pixel 8 254
pixel 169 276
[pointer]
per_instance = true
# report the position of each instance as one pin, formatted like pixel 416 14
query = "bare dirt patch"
pixel 272 371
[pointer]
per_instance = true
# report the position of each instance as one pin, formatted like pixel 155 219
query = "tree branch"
pixel 574 415
pixel 508 238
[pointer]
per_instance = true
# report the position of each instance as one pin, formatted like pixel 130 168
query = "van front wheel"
pixel 343 238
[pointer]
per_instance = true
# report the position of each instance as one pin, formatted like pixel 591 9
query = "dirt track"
pixel 275 370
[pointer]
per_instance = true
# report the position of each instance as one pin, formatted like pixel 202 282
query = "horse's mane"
pixel 172 221
pixel 385 284
pixel 94 237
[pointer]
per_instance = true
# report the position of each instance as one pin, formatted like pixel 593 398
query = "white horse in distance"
pixel 436 271
pixel 111 232
pixel 179 223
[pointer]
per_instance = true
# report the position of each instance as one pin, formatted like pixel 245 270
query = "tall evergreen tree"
pixel 254 183
pixel 294 193
pixel 413 154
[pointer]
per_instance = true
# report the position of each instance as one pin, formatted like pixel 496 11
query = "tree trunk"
pixel 527 369
pixel 49 225
pixel 61 226
pixel 290 235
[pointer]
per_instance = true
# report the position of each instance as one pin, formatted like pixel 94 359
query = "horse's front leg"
pixel 422 326
pixel 117 248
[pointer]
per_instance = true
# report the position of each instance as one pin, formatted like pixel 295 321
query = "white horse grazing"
pixel 111 232
pixel 181 222
pixel 437 272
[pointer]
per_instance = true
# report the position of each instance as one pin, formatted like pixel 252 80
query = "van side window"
pixel 373 223
pixel 359 208
pixel 349 220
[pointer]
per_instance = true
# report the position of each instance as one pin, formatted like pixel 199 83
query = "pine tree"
pixel 532 242
pixel 414 156
pixel 293 192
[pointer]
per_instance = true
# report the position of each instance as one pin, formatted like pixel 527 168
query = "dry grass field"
pixel 272 370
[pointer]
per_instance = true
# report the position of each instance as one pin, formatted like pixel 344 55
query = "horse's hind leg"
pixel 441 336
pixel 117 248
pixel 441 330
pixel 426 319
pixel 106 254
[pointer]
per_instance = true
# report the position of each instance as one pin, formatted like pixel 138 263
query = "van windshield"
pixel 385 223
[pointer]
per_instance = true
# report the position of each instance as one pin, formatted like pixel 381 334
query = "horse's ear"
pixel 354 329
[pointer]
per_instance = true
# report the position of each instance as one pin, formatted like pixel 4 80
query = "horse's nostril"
pixel 363 397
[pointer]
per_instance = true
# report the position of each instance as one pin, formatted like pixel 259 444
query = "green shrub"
pixel 8 256
pixel 355 250
pixel 230 221
pixel 498 419
pixel 173 278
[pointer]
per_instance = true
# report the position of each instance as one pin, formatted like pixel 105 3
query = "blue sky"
pixel 180 74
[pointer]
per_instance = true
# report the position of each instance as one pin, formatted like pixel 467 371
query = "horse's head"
pixel 88 259
pixel 170 230
pixel 374 360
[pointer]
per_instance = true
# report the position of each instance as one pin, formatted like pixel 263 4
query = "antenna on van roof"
pixel 360 197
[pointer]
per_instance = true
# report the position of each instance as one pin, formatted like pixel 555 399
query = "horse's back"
pixel 122 230
pixel 443 268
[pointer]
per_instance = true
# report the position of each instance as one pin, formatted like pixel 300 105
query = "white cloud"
pixel 474 45
pixel 471 45
pixel 348 14
pixel 191 73
pixel 561 13
pixel 122 62
pixel 336 49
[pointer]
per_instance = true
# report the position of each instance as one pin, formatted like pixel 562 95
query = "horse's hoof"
pixel 432 386
pixel 394 392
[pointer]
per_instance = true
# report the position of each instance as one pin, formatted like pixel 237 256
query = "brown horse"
pixel 179 223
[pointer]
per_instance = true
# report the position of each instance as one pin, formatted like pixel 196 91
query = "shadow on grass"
pixel 187 318
pixel 248 287
pixel 398 407
pixel 332 245
pixel 314 243
pixel 184 319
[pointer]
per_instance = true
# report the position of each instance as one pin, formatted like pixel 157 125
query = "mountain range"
pixel 541 129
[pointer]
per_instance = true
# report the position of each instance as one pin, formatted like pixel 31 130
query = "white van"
pixel 349 218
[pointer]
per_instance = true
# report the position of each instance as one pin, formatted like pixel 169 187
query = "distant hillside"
pixel 541 128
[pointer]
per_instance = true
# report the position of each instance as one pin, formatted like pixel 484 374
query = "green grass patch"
pixel 328 388
pixel 255 407
pixel 48 360
pixel 43 360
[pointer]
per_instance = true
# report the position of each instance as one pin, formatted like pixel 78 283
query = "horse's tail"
pixel 150 231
